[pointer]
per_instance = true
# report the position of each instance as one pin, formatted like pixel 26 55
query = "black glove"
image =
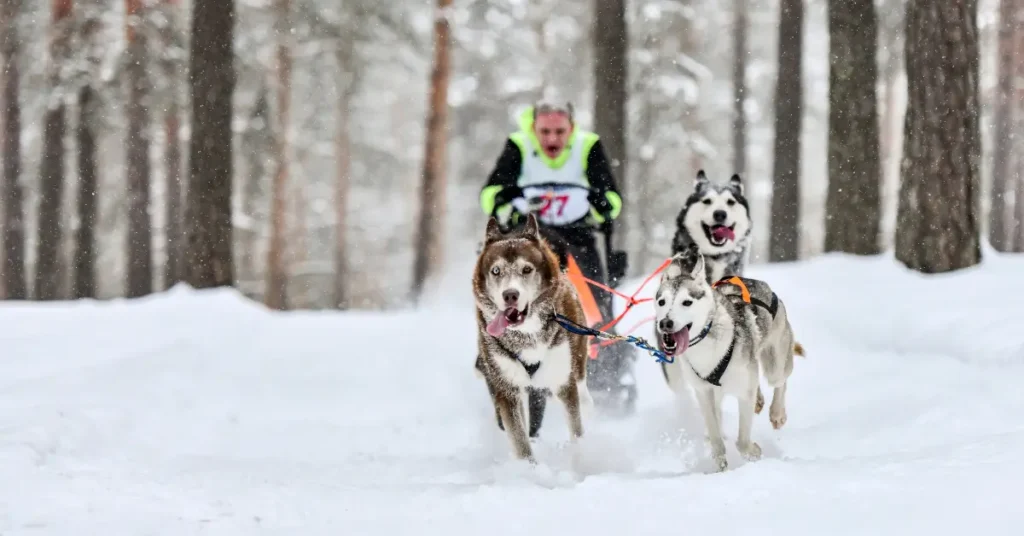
pixel 600 203
pixel 506 195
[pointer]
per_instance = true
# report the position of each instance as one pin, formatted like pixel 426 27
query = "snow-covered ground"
pixel 200 413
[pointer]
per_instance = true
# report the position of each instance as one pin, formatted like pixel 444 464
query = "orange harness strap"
pixel 772 307
pixel 744 291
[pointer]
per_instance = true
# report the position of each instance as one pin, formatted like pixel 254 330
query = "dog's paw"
pixel 778 418
pixel 759 403
pixel 751 451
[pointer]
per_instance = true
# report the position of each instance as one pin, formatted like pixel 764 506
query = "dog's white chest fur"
pixel 555 367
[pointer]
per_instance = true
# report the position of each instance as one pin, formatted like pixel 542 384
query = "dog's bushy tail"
pixel 798 349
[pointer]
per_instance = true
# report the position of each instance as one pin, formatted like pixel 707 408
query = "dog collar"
pixel 703 333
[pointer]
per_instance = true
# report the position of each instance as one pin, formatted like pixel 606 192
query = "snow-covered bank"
pixel 200 412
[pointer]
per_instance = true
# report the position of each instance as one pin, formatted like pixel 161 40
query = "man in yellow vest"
pixel 561 173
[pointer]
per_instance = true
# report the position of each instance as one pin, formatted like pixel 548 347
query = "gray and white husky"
pixel 720 336
pixel 717 219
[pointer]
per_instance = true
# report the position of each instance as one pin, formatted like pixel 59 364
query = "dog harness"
pixel 715 378
pixel 772 307
pixel 530 369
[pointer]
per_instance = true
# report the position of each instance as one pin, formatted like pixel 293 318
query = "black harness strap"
pixel 530 369
pixel 772 308
pixel 715 378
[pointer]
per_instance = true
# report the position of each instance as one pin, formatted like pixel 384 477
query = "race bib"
pixel 554 205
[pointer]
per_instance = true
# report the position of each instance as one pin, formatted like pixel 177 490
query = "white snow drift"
pixel 202 413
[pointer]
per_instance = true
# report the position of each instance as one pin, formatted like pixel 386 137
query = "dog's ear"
pixel 675 268
pixel 698 268
pixel 493 231
pixel 736 184
pixel 532 228
pixel 701 182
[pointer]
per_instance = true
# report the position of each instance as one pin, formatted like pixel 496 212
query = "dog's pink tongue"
pixel 722 232
pixel 682 338
pixel 497 326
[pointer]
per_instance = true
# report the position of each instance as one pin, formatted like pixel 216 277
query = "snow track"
pixel 201 413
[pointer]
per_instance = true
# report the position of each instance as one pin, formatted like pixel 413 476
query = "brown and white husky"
pixel 518 287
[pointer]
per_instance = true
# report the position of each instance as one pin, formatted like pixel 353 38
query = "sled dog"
pixel 718 337
pixel 518 287
pixel 717 219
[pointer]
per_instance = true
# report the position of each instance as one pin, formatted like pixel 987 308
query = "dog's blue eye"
pixel 495 270
pixel 687 303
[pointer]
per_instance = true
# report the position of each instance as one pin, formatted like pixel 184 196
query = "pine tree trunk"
pixel 14 282
pixel 343 155
pixel 611 40
pixel 739 85
pixel 172 163
pixel 937 221
pixel 1000 233
pixel 854 207
pixel 258 146
pixel 276 296
pixel 174 265
pixel 84 283
pixel 140 234
pixel 785 237
pixel 51 180
pixel 429 241
pixel 1016 174
pixel 212 82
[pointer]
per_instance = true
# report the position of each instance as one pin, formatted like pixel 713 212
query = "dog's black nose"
pixel 510 296
pixel 719 216
pixel 666 324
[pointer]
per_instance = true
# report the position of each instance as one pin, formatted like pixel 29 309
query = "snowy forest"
pixel 330 154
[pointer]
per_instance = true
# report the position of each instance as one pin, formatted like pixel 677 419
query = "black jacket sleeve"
pixel 604 195
pixel 507 168
pixel 599 170
pixel 501 187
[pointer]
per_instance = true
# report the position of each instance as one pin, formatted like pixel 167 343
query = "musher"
pixel 561 173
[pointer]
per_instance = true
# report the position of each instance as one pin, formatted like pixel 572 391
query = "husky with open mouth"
pixel 717 219
pixel 719 338
pixel 518 287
